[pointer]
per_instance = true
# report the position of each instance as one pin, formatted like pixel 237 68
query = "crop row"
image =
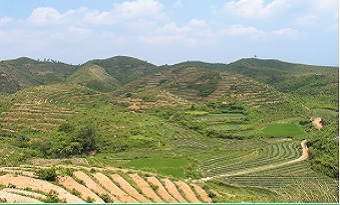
pixel 114 187
pixel 273 154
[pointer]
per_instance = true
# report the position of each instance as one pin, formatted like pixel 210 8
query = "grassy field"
pixel 283 130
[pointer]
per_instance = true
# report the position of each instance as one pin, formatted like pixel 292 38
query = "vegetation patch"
pixel 283 130
pixel 167 166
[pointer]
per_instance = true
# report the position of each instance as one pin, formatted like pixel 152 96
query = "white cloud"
pixel 240 30
pixel 255 8
pixel 326 5
pixel 197 23
pixel 138 8
pixel 48 15
pixel 307 20
pixel 285 32
pixel 5 20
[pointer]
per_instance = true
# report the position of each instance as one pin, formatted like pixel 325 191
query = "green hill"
pixel 23 72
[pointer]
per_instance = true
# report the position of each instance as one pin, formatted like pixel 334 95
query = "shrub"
pixel 106 198
pixel 89 199
pixel 48 174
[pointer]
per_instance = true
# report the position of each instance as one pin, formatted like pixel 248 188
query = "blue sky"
pixel 171 31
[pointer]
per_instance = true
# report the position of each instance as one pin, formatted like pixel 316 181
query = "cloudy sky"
pixel 171 31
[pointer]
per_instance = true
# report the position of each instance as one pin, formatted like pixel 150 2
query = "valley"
pixel 122 130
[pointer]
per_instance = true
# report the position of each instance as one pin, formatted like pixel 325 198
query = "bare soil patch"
pixel 89 182
pixel 129 189
pixel 317 123
pixel 114 189
pixel 172 189
pixel 37 184
pixel 70 183
pixel 146 188
pixel 24 192
pixel 202 193
pixel 161 190
pixel 189 194
pixel 16 198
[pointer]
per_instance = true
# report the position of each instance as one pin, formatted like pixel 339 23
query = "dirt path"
pixel 37 184
pixel 161 190
pixel 172 189
pixel 114 189
pixel 16 198
pixel 145 187
pixel 129 189
pixel 189 194
pixel 70 184
pixel 203 194
pixel 303 157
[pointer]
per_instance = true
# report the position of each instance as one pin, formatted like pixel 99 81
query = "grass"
pixel 283 130
pixel 166 166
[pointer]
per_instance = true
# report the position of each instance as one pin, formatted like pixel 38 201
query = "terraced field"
pixel 98 185
pixel 240 161
pixel 45 107
pixel 246 90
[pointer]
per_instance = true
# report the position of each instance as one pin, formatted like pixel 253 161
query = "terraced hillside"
pixel 45 107
pixel 95 185
pixel 123 130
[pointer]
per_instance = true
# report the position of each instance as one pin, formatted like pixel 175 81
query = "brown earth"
pixel 128 188
pixel 317 123
pixel 16 198
pixel 172 189
pixel 202 193
pixel 24 192
pixel 40 185
pixel 189 194
pixel 89 182
pixel 114 189
pixel 145 187
pixel 71 184
pixel 161 190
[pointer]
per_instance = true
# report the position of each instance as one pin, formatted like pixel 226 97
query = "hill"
pixel 235 130
pixel 24 72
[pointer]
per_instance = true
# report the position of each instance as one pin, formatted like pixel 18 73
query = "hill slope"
pixel 24 72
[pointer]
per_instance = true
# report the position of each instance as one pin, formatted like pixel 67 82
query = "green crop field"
pixel 283 129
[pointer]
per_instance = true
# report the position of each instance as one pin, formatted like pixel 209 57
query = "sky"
pixel 171 31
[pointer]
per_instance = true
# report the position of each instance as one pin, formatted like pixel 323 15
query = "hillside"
pixel 189 132
pixel 23 72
